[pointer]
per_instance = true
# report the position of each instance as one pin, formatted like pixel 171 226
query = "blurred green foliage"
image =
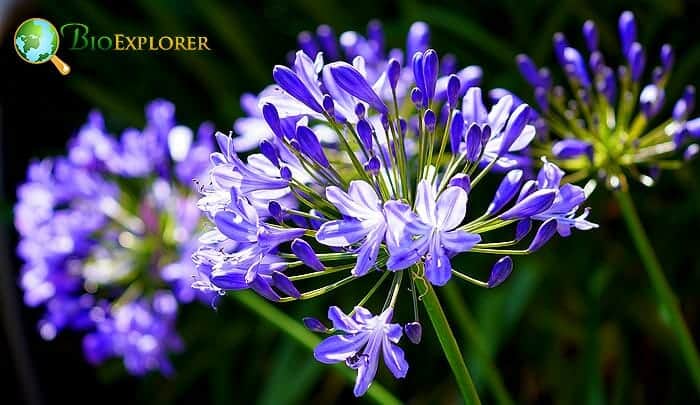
pixel 576 323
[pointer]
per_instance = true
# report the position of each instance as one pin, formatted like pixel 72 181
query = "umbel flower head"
pixel 607 123
pixel 364 168
pixel 106 236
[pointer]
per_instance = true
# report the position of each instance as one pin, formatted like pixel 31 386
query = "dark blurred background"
pixel 576 323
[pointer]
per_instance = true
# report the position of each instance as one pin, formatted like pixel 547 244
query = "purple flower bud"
pixel 262 287
pixel 542 98
pixel 275 210
pixel 628 31
pixel 576 66
pixel 431 67
pixel 522 229
pixel 429 120
pixel 414 332
pixel 543 235
pixel 590 34
pixel 393 72
pixel 286 173
pixel 417 97
pixel 531 205
pixel 269 151
pixel 684 106
pixel 373 165
pixel 462 181
pixel 417 65
pixel 307 44
pixel 448 64
pixel 693 127
pixel 608 86
pixel 545 77
pixel 351 43
pixel 500 271
pixel 310 146
pixel 651 100
pixel 506 191
pixel 418 38
pixel 314 325
pixel 327 40
pixel 456 131
pixel 667 57
pixel 657 74
pixel 572 148
pixel 453 87
pixel 444 114
pixel 306 254
pixel 516 124
pixel 622 72
pixel 273 119
pixel 560 44
pixel 364 130
pixel 375 33
pixel 474 141
pixel 485 135
pixel 691 151
pixel 596 62
pixel 290 82
pixel 350 80
pixel 636 59
pixel 680 110
pixel 360 111
pixel 329 105
pixel 284 284
pixel 528 70
pixel 403 125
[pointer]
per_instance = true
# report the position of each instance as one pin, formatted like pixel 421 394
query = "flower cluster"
pixel 364 168
pixel 603 124
pixel 106 236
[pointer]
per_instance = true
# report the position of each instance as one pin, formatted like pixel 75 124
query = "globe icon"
pixel 36 41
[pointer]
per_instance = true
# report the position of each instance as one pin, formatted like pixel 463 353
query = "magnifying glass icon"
pixel 36 41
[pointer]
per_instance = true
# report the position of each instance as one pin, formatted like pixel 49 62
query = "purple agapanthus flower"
pixel 87 221
pixel 353 177
pixel 431 232
pixel 364 221
pixel 607 124
pixel 566 202
pixel 364 338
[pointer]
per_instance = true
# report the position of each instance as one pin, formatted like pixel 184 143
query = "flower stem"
pixel 470 330
pixel 446 338
pixel 296 331
pixel 664 294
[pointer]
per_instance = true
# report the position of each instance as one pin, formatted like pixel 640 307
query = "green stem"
pixel 446 338
pixel 470 330
pixel 296 331
pixel 664 294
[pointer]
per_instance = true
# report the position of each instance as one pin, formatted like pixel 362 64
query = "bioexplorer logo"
pixel 37 40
